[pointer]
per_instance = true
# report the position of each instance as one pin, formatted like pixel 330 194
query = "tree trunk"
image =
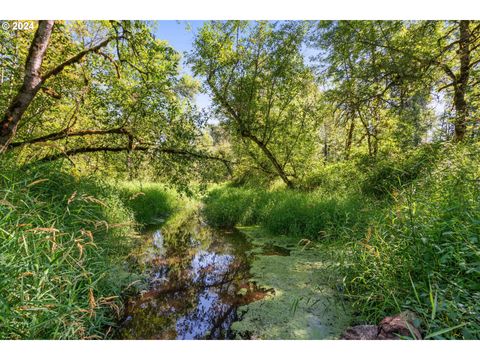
pixel 271 157
pixel 348 142
pixel 460 87
pixel 31 83
pixel 325 143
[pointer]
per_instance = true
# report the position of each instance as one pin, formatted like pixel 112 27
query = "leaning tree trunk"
pixel 325 143
pixel 279 169
pixel 31 84
pixel 460 87
pixel 348 142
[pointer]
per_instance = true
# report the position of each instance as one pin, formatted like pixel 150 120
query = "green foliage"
pixel 263 92
pixel 63 245
pixel 111 112
pixel 386 174
pixel 150 202
pixel 227 206
pixel 417 249
pixel 314 215
pixel 352 133
pixel 334 177
pixel 423 253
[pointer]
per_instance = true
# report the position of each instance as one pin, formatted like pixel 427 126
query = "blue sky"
pixel 180 35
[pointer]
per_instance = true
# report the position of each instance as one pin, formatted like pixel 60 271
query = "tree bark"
pixel 348 142
pixel 460 86
pixel 141 147
pixel 279 169
pixel 368 133
pixel 32 82
pixel 325 142
pixel 66 133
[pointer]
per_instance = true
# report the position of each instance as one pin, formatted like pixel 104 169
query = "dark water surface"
pixel 198 277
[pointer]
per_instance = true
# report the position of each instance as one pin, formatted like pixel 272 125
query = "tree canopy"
pixel 286 96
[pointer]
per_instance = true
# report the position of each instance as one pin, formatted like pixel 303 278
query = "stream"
pixel 197 278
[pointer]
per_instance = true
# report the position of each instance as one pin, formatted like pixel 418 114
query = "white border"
pixel 241 350
pixel 239 9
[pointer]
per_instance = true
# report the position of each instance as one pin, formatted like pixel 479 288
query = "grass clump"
pixel 227 206
pixel 63 242
pixel 150 202
pixel 314 215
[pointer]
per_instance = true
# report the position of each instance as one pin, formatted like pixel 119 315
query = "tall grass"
pixel 150 202
pixel 313 215
pixel 63 248
pixel 423 253
pixel 406 226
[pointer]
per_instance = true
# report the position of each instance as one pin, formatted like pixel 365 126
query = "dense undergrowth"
pixel 150 202
pixel 64 242
pixel 313 215
pixel 406 229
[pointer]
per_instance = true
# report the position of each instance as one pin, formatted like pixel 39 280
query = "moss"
pixel 304 305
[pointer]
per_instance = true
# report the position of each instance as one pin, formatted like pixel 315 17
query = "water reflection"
pixel 196 274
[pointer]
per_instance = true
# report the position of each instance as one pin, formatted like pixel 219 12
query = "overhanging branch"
pixel 141 147
pixel 65 133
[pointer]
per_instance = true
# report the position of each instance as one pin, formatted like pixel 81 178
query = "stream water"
pixel 198 276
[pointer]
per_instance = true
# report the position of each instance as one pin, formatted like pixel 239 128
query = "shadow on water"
pixel 198 277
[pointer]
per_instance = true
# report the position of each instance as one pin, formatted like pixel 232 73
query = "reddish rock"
pixel 361 332
pixel 390 328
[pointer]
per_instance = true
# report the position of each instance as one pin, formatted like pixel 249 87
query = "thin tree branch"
pixel 76 58
pixel 65 133
pixel 140 147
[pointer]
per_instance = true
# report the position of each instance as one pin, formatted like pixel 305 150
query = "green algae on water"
pixel 304 304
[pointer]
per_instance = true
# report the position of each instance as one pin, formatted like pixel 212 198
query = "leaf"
pixel 414 289
pixel 443 331
pixel 37 182
pixel 433 300
pixel 7 203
